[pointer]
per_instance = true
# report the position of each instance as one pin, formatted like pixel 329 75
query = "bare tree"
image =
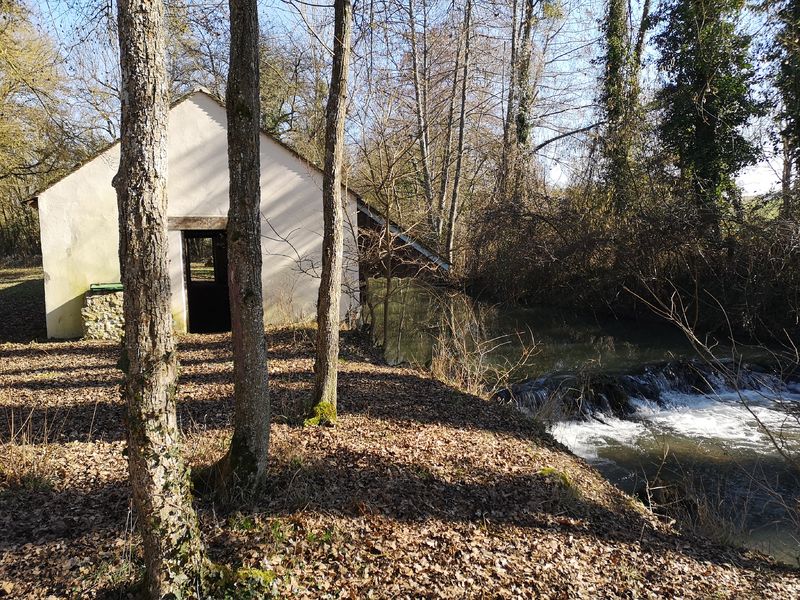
pixel 330 287
pixel 445 177
pixel 451 223
pixel 420 77
pixel 174 554
pixel 244 467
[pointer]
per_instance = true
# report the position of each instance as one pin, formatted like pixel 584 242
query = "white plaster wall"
pixel 80 236
pixel 80 233
pixel 176 282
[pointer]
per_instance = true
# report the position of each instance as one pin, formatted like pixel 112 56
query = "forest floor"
pixel 419 491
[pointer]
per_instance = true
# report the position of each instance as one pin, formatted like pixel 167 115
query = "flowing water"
pixel 657 423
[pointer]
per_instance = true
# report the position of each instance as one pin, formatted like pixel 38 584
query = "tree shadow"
pixel 102 420
pixel 87 406
pixel 22 312
pixel 354 484
pixel 287 344
pixel 96 349
pixel 42 515
pixel 412 397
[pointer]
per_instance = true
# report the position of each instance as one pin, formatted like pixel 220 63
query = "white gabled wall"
pixel 79 226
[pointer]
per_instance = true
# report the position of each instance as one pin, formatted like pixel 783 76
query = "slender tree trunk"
pixel 509 123
pixel 421 111
pixel 387 275
pixel 448 145
pixel 173 550
pixel 451 224
pixel 330 287
pixel 522 117
pixel 786 179
pixel 244 467
pixel 636 59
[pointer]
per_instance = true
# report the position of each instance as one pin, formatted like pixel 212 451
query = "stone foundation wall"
pixel 102 316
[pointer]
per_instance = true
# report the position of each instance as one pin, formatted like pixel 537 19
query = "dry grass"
pixel 25 463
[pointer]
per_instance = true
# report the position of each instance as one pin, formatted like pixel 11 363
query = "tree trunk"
pixel 615 95
pixel 786 179
pixel 620 99
pixel 508 122
pixel 244 467
pixel 451 224
pixel 448 145
pixel 330 287
pixel 522 118
pixel 636 59
pixel 173 550
pixel 421 110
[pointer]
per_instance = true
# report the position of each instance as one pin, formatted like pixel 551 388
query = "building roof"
pixel 396 230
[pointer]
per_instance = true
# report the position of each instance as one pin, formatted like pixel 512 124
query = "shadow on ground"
pixel 22 312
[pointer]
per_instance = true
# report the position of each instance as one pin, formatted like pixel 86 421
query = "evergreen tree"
pixel 706 100
pixel 619 97
pixel 787 81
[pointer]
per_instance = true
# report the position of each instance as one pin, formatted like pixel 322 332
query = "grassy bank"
pixel 420 491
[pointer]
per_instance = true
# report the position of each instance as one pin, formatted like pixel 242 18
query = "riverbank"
pixel 419 491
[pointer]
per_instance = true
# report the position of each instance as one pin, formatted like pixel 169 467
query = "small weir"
pixel 714 446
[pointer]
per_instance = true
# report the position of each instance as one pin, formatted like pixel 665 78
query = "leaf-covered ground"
pixel 420 491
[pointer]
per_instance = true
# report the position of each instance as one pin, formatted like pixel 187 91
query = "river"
pixel 721 455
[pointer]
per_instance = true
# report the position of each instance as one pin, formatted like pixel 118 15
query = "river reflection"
pixel 564 340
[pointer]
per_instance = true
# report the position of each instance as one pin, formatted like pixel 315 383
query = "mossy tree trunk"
pixel 614 97
pixel 244 467
pixel 323 409
pixel 619 98
pixel 173 550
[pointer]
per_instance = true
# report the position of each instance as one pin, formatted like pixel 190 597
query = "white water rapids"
pixel 727 419
pixel 734 442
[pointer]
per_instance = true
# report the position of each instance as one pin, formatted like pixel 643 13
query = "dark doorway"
pixel 205 256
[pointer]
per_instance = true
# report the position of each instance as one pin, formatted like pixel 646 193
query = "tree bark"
pixel 786 179
pixel 421 109
pixel 509 122
pixel 323 410
pixel 451 223
pixel 174 555
pixel 615 96
pixel 448 145
pixel 523 117
pixel 244 466
pixel 636 59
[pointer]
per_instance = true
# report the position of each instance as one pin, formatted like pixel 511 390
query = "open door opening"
pixel 206 267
